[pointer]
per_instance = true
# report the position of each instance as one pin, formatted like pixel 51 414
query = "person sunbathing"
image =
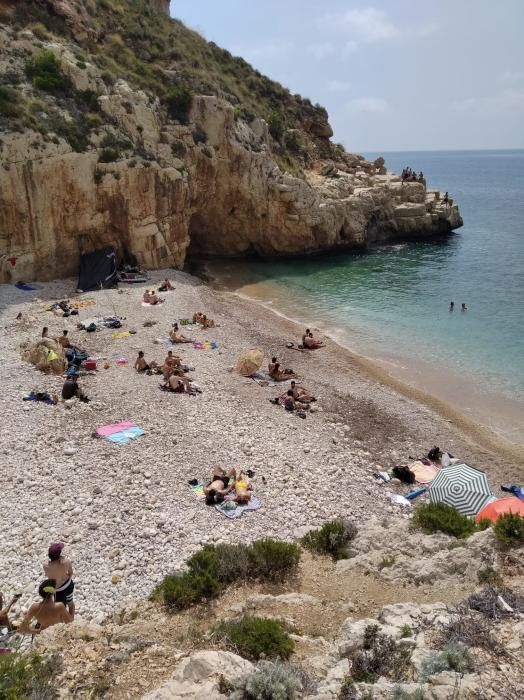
pixel 309 342
pixel 277 374
pixel 176 337
pixel 219 485
pixel 63 340
pixel 291 404
pixel 179 384
pixel 242 490
pixel 166 286
pixel 300 393
pixel 142 366
pixel 46 613
pixel 197 316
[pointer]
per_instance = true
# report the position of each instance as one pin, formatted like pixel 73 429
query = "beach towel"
pixel 206 345
pixel 188 323
pixel 263 379
pixel 120 334
pixel 231 509
pixel 198 490
pixel 164 341
pixel 124 436
pixel 112 428
pixel 82 304
pixel 424 473
pixel 25 287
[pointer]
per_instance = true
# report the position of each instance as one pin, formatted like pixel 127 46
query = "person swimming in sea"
pixel 464 307
pixel 451 305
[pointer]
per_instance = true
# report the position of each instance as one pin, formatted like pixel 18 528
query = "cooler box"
pixel 90 364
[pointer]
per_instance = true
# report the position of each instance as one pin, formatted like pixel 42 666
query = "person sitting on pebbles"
pixel 309 342
pixel 300 393
pixel 242 490
pixel 151 298
pixel 277 374
pixel 176 337
pixel 206 322
pixel 61 570
pixel 72 388
pixel 166 286
pixel 142 366
pixel 172 363
pixel 292 404
pixel 46 613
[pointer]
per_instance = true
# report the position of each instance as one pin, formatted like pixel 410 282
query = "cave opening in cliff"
pixel 198 237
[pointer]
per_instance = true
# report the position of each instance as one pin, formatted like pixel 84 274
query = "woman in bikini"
pixel 219 485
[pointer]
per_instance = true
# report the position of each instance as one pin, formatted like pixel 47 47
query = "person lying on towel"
pixel 151 298
pixel 176 337
pixel 166 286
pixel 277 374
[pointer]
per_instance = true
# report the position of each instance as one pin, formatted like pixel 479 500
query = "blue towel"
pixel 124 436
pixel 25 287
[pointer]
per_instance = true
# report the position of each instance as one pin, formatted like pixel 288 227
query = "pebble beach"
pixel 126 512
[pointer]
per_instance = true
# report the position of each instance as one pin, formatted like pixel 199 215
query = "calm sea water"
pixel 394 301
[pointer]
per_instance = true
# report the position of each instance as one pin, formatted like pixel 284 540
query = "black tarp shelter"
pixel 98 270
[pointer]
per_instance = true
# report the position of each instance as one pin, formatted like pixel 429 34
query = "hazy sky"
pixel 393 74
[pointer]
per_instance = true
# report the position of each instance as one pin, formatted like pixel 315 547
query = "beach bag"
pixel 91 328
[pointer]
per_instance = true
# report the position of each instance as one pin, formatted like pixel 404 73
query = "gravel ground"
pixel 127 511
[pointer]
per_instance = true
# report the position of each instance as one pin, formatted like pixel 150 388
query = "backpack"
pixel 404 474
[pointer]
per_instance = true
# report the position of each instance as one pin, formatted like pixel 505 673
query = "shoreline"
pixel 474 430
pixel 496 413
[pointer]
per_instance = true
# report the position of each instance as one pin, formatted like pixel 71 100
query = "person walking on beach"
pixel 46 613
pixel 61 570
pixel 451 305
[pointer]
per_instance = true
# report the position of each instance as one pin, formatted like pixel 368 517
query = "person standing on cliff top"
pixel 446 199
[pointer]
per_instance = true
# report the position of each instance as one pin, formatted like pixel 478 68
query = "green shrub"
pixel 178 101
pixel 400 694
pixel 272 560
pixel 490 576
pixel 45 72
pixel 28 676
pixel 406 632
pixel 93 120
pixel 185 590
pixel 332 538
pixel 455 656
pixel 276 125
pixel 270 681
pixel 109 155
pixel 88 100
pixel 98 176
pixel 380 656
pixel 439 517
pixel 509 530
pixel 256 637
pixel 234 563
pixel 40 31
pixel 8 102
pixel 484 524
pixel 293 140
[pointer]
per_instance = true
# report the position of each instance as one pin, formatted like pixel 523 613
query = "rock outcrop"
pixel 221 184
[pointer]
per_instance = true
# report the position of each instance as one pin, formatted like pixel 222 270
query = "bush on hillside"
pixel 439 517
pixel 109 155
pixel 509 530
pixel 256 637
pixel 45 71
pixel 270 681
pixel 8 102
pixel 332 538
pixel 455 656
pixel 276 125
pixel 179 101
pixel 28 676
pixel 380 656
pixel 214 567
pixel 271 560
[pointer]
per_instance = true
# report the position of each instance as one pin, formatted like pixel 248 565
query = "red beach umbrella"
pixel 501 506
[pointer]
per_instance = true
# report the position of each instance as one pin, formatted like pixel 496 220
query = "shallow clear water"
pixel 394 302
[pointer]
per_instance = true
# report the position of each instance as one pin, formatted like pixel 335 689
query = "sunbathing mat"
pixel 232 510
pixel 206 345
pixel 120 433
pixel 424 473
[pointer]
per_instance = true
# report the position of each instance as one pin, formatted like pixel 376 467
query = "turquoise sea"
pixel 392 303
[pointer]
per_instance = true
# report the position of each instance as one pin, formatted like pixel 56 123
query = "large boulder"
pixel 198 675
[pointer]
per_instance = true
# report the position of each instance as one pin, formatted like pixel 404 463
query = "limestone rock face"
pixel 213 186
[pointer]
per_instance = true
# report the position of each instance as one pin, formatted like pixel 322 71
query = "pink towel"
pixel 106 430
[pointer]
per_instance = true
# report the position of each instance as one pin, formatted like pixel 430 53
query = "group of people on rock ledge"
pixel 409 175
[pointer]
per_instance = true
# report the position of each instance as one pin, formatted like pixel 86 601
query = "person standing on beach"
pixel 451 305
pixel 61 570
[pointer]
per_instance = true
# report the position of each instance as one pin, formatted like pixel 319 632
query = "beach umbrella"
pixel 499 507
pixel 249 362
pixel 463 487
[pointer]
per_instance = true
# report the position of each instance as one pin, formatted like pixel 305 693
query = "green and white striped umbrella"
pixel 461 486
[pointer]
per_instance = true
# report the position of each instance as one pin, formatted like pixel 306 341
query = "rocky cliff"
pixel 120 126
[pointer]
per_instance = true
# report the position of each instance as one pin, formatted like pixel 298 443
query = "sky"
pixel 394 75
